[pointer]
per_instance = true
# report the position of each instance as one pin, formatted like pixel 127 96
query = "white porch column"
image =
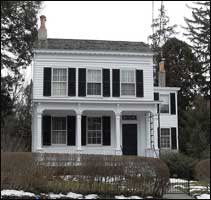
pixel 148 129
pixel 156 131
pixel 78 132
pixel 39 131
pixel 118 137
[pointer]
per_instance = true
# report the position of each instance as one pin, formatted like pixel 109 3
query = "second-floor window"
pixel 164 106
pixel 59 82
pixel 94 79
pixel 128 82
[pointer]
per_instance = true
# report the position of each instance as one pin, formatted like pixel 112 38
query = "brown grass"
pixel 89 174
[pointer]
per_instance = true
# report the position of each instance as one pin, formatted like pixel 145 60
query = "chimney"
pixel 42 32
pixel 162 74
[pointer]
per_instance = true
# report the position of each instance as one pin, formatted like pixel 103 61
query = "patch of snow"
pixel 149 197
pixel 180 186
pixel 177 180
pixel 56 196
pixel 91 196
pixel 131 197
pixel 74 195
pixel 203 196
pixel 17 193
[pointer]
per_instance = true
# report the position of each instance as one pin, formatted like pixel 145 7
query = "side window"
pixel 165 141
pixel 164 106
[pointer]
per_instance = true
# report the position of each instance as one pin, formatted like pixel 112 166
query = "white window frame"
pixel 66 68
pixel 55 116
pixel 101 84
pixel 127 69
pixel 167 113
pixel 94 145
pixel 166 148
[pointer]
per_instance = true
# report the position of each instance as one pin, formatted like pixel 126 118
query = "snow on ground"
pixel 91 196
pixel 17 193
pixel 203 196
pixel 177 180
pixel 123 197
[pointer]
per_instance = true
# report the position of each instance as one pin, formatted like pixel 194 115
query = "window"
pixel 94 82
pixel 59 82
pixel 127 82
pixel 94 130
pixel 165 138
pixel 164 106
pixel 59 130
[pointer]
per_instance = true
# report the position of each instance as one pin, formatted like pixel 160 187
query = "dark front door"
pixel 129 132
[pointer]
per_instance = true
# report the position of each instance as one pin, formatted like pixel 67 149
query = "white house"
pixel 98 97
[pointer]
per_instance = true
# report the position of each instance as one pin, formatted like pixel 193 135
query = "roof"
pixel 93 45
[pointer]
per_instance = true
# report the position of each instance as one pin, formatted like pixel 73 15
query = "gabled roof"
pixel 93 45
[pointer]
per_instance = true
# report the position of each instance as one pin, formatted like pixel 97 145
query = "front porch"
pixel 106 129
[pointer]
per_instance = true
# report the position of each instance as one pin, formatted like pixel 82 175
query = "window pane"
pixel 58 130
pixel 164 106
pixel 59 82
pixel 94 130
pixel 128 89
pixel 165 138
pixel 128 76
pixel 94 76
pixel 94 89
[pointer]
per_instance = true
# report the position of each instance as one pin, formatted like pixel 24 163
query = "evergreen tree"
pixel 197 129
pixel 162 32
pixel 18 32
pixel 198 32
pixel 182 70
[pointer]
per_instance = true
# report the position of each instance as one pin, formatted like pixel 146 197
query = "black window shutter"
pixel 173 103
pixel 106 131
pixel 106 82
pixel 46 130
pixel 71 123
pixel 47 82
pixel 139 83
pixel 82 82
pixel 83 130
pixel 116 82
pixel 156 96
pixel 173 138
pixel 71 82
pixel 158 137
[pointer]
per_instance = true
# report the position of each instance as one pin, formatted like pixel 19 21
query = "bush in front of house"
pixel 19 171
pixel 180 165
pixel 100 174
pixel 202 170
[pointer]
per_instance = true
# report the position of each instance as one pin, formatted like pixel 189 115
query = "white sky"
pixel 109 20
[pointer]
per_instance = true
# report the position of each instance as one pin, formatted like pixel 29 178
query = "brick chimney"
pixel 162 74
pixel 42 32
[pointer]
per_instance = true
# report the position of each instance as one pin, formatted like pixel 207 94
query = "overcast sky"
pixel 109 20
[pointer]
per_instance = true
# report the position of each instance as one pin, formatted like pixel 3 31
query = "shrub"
pixel 19 171
pixel 86 174
pixel 202 170
pixel 180 165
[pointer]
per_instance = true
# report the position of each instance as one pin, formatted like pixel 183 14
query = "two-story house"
pixel 98 97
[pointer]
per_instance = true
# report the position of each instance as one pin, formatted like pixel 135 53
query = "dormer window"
pixel 94 81
pixel 128 83
pixel 59 82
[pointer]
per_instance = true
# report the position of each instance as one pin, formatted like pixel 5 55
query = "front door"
pixel 129 133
